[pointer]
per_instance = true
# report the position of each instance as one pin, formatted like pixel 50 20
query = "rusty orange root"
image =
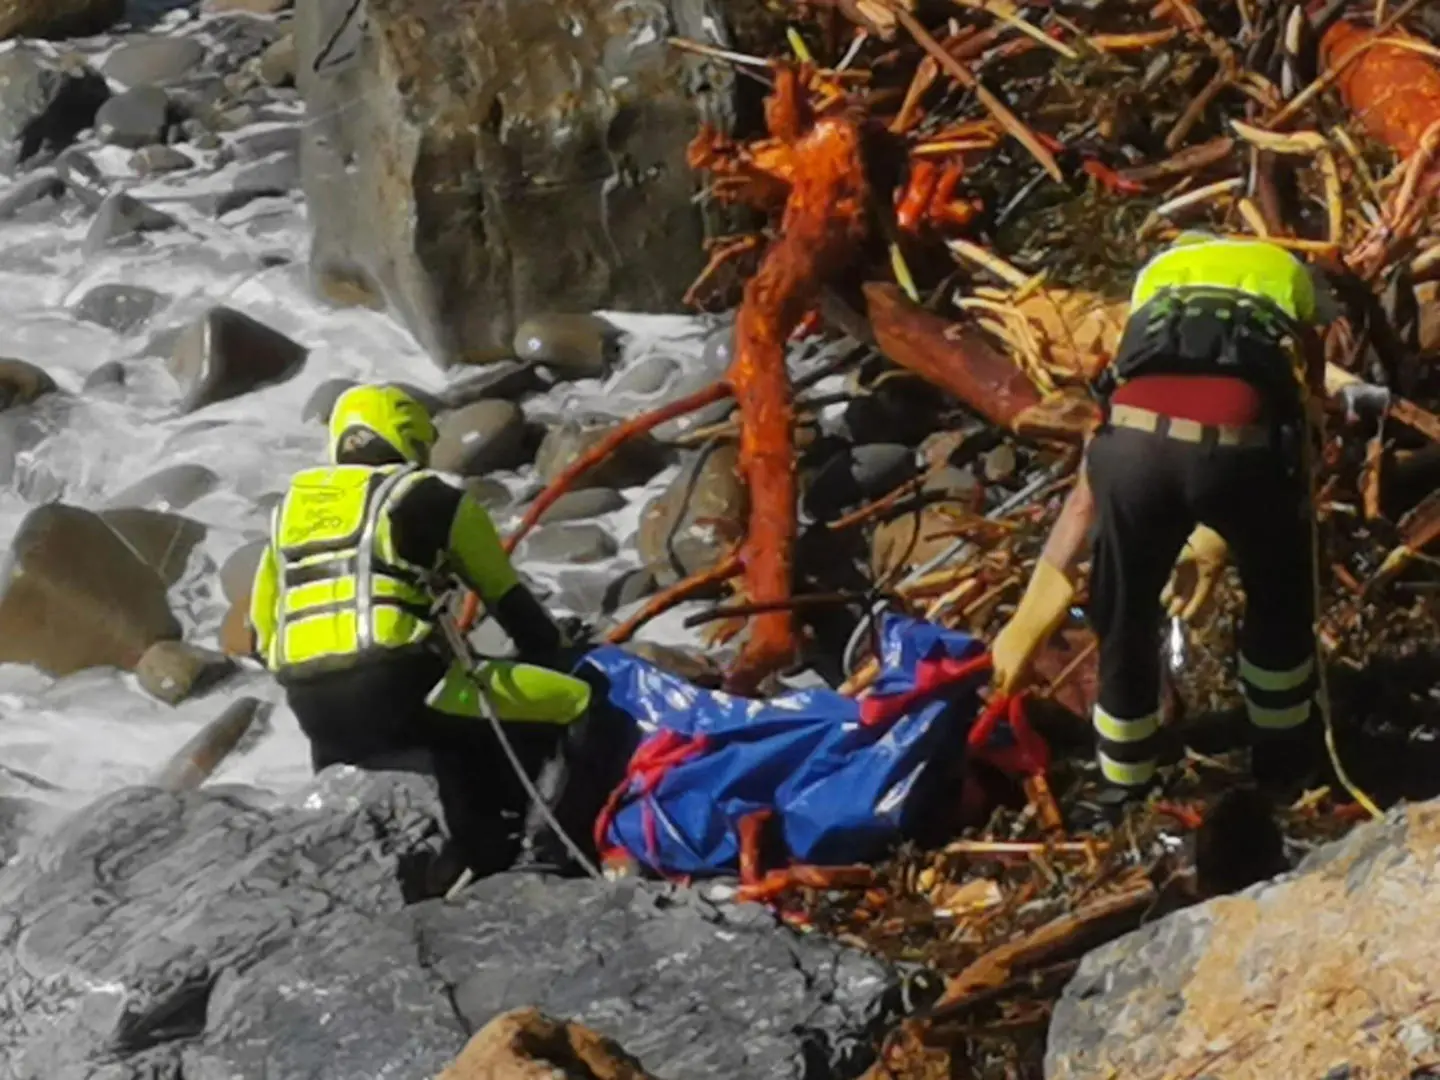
pixel 778 882
pixel 1394 91
pixel 823 224
pixel 594 456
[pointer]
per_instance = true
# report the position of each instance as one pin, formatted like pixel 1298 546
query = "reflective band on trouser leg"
pixel 1278 700
pixel 1127 747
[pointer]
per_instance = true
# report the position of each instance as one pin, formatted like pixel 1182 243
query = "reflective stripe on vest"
pixel 1245 266
pixel 344 591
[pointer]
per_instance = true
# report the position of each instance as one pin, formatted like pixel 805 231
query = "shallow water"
pixel 97 730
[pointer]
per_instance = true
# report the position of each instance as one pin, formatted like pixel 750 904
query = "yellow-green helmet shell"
pixel 383 411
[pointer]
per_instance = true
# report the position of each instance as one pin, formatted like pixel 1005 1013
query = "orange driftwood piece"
pixel 1393 90
pixel 822 226
pixel 963 362
pixel 585 462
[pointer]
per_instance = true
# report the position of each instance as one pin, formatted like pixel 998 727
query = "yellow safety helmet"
pixel 363 414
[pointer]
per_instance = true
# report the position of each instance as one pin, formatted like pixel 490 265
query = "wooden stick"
pixel 996 967
pixel 678 593
pixel 605 447
pixel 594 456
pixel 997 108
pixel 1023 848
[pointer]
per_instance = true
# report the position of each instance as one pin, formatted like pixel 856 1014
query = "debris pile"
pixel 956 197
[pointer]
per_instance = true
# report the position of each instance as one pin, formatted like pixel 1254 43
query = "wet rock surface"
pixel 121 219
pixel 23 383
pixel 232 939
pixel 698 518
pixel 1329 971
pixel 480 438
pixel 57 18
pixel 172 671
pixel 160 539
pixel 237 572
pixel 572 543
pixel 122 308
pixel 634 462
pixel 550 97
pixel 572 346
pixel 226 353
pixel 579 505
pixel 153 61
pixel 77 595
pixel 525 1044
pixel 44 102
pixel 172 488
pixel 33 196
pixel 135 118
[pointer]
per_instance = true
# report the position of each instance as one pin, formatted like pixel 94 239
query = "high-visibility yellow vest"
pixel 1252 267
pixel 343 591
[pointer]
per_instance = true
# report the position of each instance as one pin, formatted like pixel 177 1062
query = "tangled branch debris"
pixel 966 189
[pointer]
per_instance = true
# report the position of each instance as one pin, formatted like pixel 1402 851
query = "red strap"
pixel 1030 754
pixel 652 759
pixel 931 676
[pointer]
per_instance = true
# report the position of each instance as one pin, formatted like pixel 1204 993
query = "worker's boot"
pixel 1288 762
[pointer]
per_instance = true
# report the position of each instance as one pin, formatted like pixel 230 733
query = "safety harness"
pixel 1201 330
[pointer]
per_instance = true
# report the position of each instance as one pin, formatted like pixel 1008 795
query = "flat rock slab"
pixel 1329 972
pixel 208 935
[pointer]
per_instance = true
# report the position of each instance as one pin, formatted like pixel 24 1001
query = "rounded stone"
pixel 23 383
pixel 572 346
pixel 634 462
pixel 171 488
pixel 582 504
pixel 122 308
pixel 321 401
pixel 136 118
pixel 481 437
pixel 143 61
pixel 628 588
pixel 647 377
pixel 568 544
pixel 237 572
pixel 172 671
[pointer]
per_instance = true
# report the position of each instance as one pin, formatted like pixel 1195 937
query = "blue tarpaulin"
pixel 838 775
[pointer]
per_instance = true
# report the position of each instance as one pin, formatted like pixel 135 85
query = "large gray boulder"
pixel 545 172
pixel 1331 971
pixel 76 592
pixel 207 935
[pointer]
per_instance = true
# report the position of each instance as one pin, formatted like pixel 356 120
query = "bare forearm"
pixel 1069 539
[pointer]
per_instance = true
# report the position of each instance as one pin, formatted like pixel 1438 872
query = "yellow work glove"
pixel 1199 566
pixel 1042 609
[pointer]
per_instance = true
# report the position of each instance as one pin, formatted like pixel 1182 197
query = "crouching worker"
pixel 345 606
pixel 1203 453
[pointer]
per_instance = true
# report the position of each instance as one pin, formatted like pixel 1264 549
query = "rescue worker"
pixel 343 610
pixel 1202 455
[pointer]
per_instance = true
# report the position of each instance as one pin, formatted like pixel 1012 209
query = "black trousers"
pixel 1150 492
pixel 374 712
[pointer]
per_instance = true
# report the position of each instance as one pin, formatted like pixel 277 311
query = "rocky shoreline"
pixel 232 931
pixel 218 934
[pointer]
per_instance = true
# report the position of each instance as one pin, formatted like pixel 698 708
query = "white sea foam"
pixel 95 731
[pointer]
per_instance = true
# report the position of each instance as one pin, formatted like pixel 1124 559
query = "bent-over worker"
pixel 1207 407
pixel 342 608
